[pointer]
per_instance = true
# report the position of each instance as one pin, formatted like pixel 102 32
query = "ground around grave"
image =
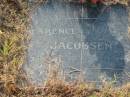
pixel 14 24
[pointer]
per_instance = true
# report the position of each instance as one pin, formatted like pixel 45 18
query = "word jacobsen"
pixel 81 45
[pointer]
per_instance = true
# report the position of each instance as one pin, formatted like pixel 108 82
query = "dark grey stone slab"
pixel 94 40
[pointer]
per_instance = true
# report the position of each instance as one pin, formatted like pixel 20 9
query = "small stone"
pixel 1 32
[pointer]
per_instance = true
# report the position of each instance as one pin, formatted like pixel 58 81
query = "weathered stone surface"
pixel 94 40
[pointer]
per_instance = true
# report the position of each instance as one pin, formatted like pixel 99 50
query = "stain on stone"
pixel 111 59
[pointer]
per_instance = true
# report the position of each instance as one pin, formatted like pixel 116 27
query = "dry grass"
pixel 14 23
pixel 13 34
pixel 55 87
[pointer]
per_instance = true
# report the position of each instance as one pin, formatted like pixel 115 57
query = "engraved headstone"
pixel 94 40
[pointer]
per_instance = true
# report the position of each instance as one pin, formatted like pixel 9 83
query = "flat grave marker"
pixel 94 40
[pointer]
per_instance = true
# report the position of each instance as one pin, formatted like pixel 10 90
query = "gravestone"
pixel 90 39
